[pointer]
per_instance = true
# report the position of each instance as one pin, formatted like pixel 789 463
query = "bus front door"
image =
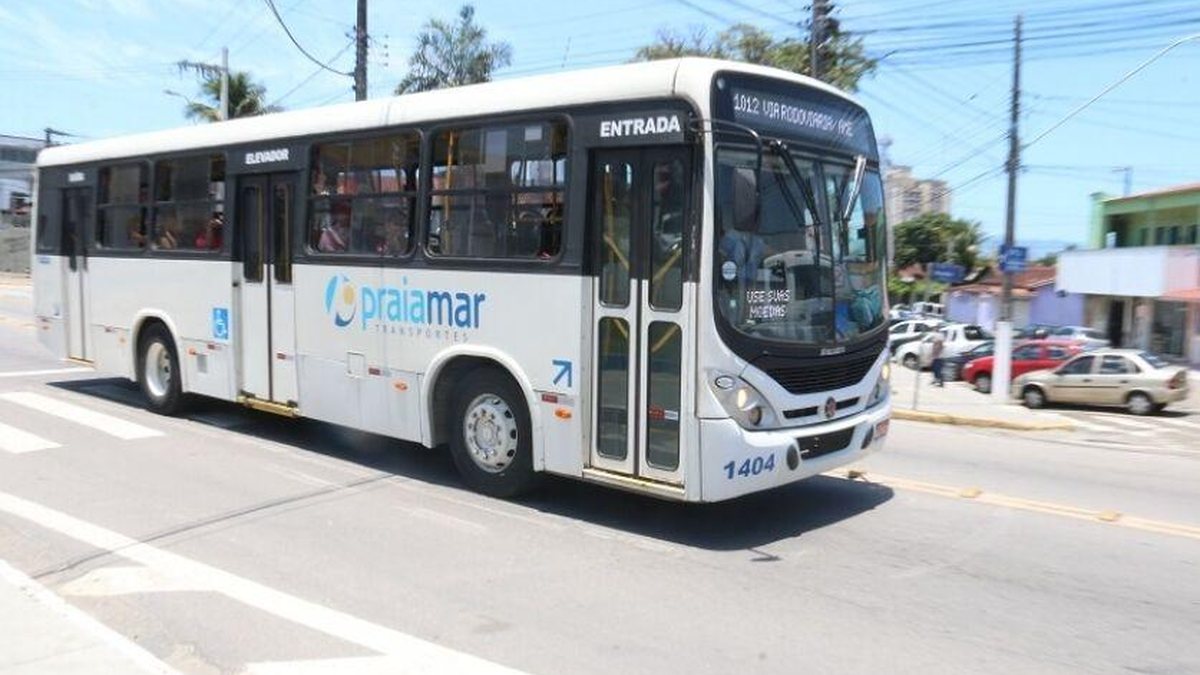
pixel 639 226
pixel 76 212
pixel 265 321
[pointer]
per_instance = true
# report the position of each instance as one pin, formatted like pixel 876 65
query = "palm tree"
pixel 453 54
pixel 246 99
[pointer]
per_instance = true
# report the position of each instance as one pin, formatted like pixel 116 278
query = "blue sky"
pixel 98 68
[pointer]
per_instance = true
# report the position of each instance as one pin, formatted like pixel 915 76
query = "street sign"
pixel 1013 259
pixel 947 273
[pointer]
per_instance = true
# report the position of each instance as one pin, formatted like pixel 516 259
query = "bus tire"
pixel 158 371
pixel 491 438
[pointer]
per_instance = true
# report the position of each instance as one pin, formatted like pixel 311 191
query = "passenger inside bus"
pixel 335 235
pixel 168 233
pixel 211 236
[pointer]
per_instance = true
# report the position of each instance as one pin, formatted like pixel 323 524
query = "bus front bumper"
pixel 736 461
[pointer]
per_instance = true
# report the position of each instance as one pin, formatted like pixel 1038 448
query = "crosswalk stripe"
pixel 15 440
pixel 46 371
pixel 1186 424
pixel 1092 426
pixel 1127 423
pixel 113 426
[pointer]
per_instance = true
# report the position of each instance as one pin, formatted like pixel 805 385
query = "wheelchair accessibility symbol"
pixel 220 323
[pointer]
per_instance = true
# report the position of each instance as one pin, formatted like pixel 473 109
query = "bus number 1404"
pixel 750 467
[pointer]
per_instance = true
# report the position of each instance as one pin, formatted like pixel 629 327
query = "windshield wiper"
pixel 810 202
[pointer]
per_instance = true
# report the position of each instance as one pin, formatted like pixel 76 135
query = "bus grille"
pixel 812 447
pixel 809 376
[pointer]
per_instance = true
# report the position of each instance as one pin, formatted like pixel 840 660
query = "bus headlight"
pixel 743 402
pixel 880 392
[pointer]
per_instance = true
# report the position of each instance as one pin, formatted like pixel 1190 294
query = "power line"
pixel 271 6
pixel 316 72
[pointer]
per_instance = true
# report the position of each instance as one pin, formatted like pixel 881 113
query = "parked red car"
pixel 1026 357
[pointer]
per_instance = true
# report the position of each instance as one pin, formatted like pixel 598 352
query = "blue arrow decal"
pixel 564 369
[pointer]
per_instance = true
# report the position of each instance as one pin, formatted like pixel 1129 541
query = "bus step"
pixel 285 409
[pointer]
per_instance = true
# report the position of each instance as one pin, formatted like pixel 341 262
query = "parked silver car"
pixel 1140 381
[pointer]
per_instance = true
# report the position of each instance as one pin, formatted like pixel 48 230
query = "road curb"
pixel 985 422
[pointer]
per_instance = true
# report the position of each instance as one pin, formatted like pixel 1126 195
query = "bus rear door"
pixel 640 238
pixel 265 320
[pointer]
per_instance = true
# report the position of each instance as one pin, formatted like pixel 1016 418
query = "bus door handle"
pixel 237 284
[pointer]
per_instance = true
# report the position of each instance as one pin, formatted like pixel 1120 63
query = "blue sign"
pixel 220 323
pixel 947 273
pixel 1013 259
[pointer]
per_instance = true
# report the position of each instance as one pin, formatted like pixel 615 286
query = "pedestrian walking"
pixel 936 347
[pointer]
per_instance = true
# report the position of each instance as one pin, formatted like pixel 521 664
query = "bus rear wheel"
pixel 158 371
pixel 491 439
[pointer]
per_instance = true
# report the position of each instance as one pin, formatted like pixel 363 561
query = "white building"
pixel 906 197
pixel 17 156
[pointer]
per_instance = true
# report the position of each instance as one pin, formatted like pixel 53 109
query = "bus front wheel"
pixel 491 439
pixel 158 371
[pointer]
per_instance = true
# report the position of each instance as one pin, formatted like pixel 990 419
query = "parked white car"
pixel 909 331
pixel 1088 338
pixel 957 338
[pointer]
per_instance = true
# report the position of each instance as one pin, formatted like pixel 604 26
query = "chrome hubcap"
pixel 157 370
pixel 490 431
pixel 1033 397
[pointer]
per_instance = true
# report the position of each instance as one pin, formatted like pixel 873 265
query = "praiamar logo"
pixel 342 305
pixel 396 305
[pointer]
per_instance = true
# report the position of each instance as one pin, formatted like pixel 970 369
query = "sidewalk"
pixel 42 633
pixel 959 403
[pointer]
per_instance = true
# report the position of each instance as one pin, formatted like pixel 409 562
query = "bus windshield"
pixel 790 272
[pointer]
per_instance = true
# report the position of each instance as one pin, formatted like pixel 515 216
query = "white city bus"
pixel 666 277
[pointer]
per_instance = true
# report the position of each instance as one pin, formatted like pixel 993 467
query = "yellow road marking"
pixel 974 494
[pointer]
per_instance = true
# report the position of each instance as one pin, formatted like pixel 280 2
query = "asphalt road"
pixel 231 541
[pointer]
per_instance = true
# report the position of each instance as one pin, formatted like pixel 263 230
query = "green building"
pixel 1141 274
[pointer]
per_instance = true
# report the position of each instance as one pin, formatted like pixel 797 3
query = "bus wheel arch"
pixel 469 390
pixel 158 368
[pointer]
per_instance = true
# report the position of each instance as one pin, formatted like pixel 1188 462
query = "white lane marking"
pixel 47 371
pixel 138 656
pixel 108 581
pixel 359 665
pixel 413 655
pixel 113 426
pixel 1186 424
pixel 1092 426
pixel 15 440
pixel 1125 422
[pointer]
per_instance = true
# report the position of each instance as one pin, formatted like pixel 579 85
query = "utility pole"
pixel 51 133
pixel 1004 328
pixel 816 35
pixel 360 53
pixel 209 71
pixel 224 83
pixel 1128 171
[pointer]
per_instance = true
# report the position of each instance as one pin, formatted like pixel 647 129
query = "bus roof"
pixel 688 78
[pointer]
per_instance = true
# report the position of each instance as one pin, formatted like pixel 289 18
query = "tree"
pixel 246 99
pixel 843 60
pixel 453 54
pixel 936 237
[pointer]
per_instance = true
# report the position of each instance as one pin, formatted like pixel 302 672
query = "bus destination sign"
pixel 820 120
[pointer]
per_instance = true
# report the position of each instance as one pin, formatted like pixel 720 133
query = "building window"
pixel 1143 236
pixel 498 191
pixel 189 204
pixel 121 211
pixel 363 195
pixel 1193 236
